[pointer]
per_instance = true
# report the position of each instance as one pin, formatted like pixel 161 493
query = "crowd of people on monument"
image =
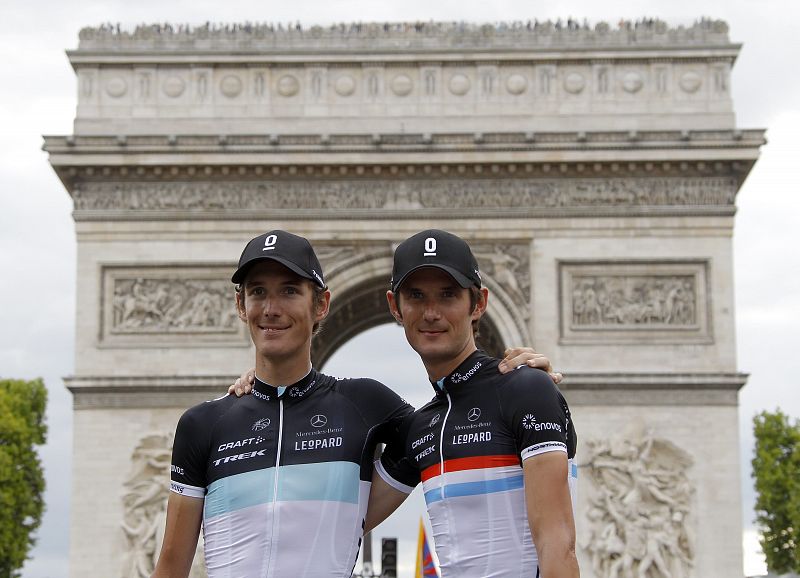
pixel 349 29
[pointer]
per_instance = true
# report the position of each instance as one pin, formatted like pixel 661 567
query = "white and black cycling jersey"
pixel 467 446
pixel 285 474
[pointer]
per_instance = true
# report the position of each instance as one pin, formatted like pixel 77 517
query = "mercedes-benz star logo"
pixel 474 414
pixel 319 420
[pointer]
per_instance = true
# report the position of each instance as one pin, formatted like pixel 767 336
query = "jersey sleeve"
pixel 190 455
pixel 394 466
pixel 380 407
pixel 537 414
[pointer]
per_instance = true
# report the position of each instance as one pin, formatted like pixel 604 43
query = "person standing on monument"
pixel 280 479
pixel 493 451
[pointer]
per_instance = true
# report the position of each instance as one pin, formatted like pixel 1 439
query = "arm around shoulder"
pixel 384 499
pixel 550 514
pixel 184 516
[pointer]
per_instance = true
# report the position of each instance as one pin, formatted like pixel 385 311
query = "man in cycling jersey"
pixel 494 452
pixel 279 479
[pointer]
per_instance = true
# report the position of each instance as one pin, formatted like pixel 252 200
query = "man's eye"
pixel 415 294
pixel 291 290
pixel 448 294
pixel 257 291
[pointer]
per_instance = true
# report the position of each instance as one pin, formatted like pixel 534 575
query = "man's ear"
pixel 391 298
pixel 240 309
pixel 480 306
pixel 323 306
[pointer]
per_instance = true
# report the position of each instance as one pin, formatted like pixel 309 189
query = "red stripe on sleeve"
pixel 474 463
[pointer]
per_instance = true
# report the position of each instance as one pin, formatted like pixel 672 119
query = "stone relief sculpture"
pixel 143 305
pixel 509 266
pixel 377 194
pixel 639 512
pixel 618 300
pixel 144 508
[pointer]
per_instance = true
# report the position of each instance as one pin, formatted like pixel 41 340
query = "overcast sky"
pixel 37 240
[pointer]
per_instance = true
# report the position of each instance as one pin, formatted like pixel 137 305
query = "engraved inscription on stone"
pixel 648 301
pixel 640 508
pixel 183 305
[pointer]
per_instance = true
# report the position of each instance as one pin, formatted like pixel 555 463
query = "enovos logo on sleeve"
pixel 529 422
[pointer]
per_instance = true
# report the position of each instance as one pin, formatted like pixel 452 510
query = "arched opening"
pixel 363 307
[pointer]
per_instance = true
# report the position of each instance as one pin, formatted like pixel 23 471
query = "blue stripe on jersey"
pixel 326 482
pixel 239 491
pixel 574 469
pixel 475 488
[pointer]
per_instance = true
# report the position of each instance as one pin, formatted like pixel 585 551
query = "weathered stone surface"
pixel 594 171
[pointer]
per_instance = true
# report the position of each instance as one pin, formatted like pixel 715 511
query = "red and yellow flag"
pixel 426 568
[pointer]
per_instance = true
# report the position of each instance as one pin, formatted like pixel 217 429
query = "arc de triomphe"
pixel 594 171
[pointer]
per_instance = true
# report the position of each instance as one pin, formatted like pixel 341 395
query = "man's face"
pixel 436 315
pixel 280 310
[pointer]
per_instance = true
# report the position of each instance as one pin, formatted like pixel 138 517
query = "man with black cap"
pixel 279 479
pixel 494 452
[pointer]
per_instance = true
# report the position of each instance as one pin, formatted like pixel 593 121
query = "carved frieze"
pixel 144 508
pixel 634 301
pixel 178 306
pixel 323 195
pixel 641 506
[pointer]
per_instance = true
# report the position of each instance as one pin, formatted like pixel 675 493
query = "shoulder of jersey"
pixel 217 404
pixel 356 384
pixel 527 376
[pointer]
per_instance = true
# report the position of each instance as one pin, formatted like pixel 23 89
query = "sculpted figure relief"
pixel 608 301
pixel 144 508
pixel 383 194
pixel 509 266
pixel 171 305
pixel 639 511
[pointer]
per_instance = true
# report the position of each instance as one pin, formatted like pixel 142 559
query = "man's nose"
pixel 271 307
pixel 431 311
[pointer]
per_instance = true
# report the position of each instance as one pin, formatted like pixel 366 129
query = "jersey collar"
pixel 267 392
pixel 461 374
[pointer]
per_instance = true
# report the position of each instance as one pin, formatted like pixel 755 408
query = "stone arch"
pixel 359 289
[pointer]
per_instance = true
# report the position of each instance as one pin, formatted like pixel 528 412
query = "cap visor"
pixel 241 272
pixel 459 278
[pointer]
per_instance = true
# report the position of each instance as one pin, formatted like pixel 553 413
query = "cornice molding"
pixel 581 389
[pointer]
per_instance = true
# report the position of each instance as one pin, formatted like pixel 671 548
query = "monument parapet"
pixel 399 77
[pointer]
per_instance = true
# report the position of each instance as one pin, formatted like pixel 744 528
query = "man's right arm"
pixel 184 516
pixel 383 501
